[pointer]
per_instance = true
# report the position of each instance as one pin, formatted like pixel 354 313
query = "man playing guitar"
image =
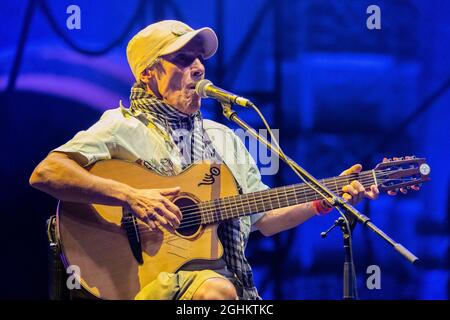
pixel 164 131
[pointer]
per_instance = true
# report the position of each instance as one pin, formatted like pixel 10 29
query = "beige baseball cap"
pixel 165 37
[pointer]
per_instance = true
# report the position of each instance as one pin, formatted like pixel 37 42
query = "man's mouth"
pixel 191 86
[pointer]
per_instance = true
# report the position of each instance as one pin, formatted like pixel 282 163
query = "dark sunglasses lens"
pixel 185 60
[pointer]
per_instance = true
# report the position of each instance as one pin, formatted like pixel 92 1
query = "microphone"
pixel 206 89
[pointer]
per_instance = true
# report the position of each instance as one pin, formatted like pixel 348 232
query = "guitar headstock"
pixel 393 174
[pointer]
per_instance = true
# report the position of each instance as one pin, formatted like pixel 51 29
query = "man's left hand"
pixel 354 192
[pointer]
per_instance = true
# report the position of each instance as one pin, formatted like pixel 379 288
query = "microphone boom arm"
pixel 334 200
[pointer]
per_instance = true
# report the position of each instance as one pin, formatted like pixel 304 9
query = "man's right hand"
pixel 64 177
pixel 150 205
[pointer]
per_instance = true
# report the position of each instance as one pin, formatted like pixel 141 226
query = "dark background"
pixel 339 93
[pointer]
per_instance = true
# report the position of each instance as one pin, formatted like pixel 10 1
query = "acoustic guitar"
pixel 117 255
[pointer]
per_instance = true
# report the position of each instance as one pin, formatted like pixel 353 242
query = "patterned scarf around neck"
pixel 186 131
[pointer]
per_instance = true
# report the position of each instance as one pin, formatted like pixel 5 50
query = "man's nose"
pixel 197 70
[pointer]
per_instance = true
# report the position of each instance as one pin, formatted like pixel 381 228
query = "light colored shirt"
pixel 120 135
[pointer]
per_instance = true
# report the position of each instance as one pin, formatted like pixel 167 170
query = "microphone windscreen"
pixel 201 86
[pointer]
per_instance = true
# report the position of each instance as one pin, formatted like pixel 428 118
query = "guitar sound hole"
pixel 191 218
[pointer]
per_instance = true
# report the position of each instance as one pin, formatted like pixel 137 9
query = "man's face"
pixel 175 77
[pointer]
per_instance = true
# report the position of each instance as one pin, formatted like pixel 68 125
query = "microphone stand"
pixel 349 274
pixel 333 199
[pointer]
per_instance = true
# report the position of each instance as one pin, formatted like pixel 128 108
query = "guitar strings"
pixel 144 229
pixel 195 218
pixel 198 218
pixel 212 205
pixel 227 203
pixel 195 221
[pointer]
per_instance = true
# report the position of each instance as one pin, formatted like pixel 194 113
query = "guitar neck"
pixel 218 210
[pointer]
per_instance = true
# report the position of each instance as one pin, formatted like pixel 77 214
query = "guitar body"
pixel 95 239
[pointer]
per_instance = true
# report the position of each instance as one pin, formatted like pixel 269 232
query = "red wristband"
pixel 321 207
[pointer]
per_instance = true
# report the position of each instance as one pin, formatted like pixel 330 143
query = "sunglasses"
pixel 183 59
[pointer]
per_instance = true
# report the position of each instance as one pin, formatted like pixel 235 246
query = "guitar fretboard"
pixel 235 206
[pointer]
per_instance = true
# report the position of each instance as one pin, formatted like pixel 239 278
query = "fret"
pixel 259 201
pixel 317 196
pixel 271 205
pixel 304 192
pixel 215 214
pixel 286 196
pixel 374 178
pixel 209 216
pixel 328 183
pixel 254 202
pixel 219 213
pixel 223 212
pixel 217 210
pixel 265 199
pixel 210 212
pixel 249 209
pixel 242 207
pixel 278 198
pixel 295 194
pixel 249 205
pixel 234 210
pixel 223 208
pixel 262 200
pixel 230 209
pixel 335 184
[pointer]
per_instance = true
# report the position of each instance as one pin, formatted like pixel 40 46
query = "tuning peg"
pixel 392 192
